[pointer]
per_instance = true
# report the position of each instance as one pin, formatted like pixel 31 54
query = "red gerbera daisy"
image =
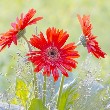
pixel 52 56
pixel 18 29
pixel 88 39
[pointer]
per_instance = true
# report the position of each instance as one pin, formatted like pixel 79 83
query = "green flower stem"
pixel 35 78
pixel 35 86
pixel 79 43
pixel 29 46
pixel 44 89
pixel 60 90
pixel 26 106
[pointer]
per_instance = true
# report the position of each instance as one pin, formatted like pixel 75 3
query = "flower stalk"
pixel 60 90
pixel 34 74
pixel 78 43
pixel 29 46
pixel 44 90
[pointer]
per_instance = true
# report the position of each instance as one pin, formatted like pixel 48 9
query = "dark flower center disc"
pixel 52 53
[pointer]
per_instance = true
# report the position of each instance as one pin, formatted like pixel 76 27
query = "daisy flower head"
pixel 18 29
pixel 51 55
pixel 87 39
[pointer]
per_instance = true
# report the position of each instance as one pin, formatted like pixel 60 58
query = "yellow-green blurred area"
pixel 61 14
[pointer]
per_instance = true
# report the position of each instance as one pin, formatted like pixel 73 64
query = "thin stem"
pixel 35 86
pixel 26 106
pixel 44 89
pixel 60 90
pixel 35 78
pixel 29 46
pixel 78 43
pixel 36 30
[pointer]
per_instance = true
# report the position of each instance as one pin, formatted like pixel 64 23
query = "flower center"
pixel 52 53
pixel 21 33
pixel 83 40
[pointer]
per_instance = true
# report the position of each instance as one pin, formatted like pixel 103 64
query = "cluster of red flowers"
pixel 52 55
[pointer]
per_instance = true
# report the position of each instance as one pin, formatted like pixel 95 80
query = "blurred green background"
pixel 61 14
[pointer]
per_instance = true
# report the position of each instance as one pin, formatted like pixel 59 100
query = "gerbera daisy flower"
pixel 87 39
pixel 18 29
pixel 51 55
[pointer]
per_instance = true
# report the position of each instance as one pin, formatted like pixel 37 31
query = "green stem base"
pixel 60 90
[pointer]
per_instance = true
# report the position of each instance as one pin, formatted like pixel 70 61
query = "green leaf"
pixel 90 95
pixel 68 97
pixel 37 104
pixel 22 91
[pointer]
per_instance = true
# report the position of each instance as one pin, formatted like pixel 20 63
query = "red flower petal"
pixel 68 67
pixel 63 39
pixel 28 16
pixel 35 20
pixel 39 67
pixel 55 74
pixel 47 70
pixel 70 46
pixel 63 71
pixel 36 41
